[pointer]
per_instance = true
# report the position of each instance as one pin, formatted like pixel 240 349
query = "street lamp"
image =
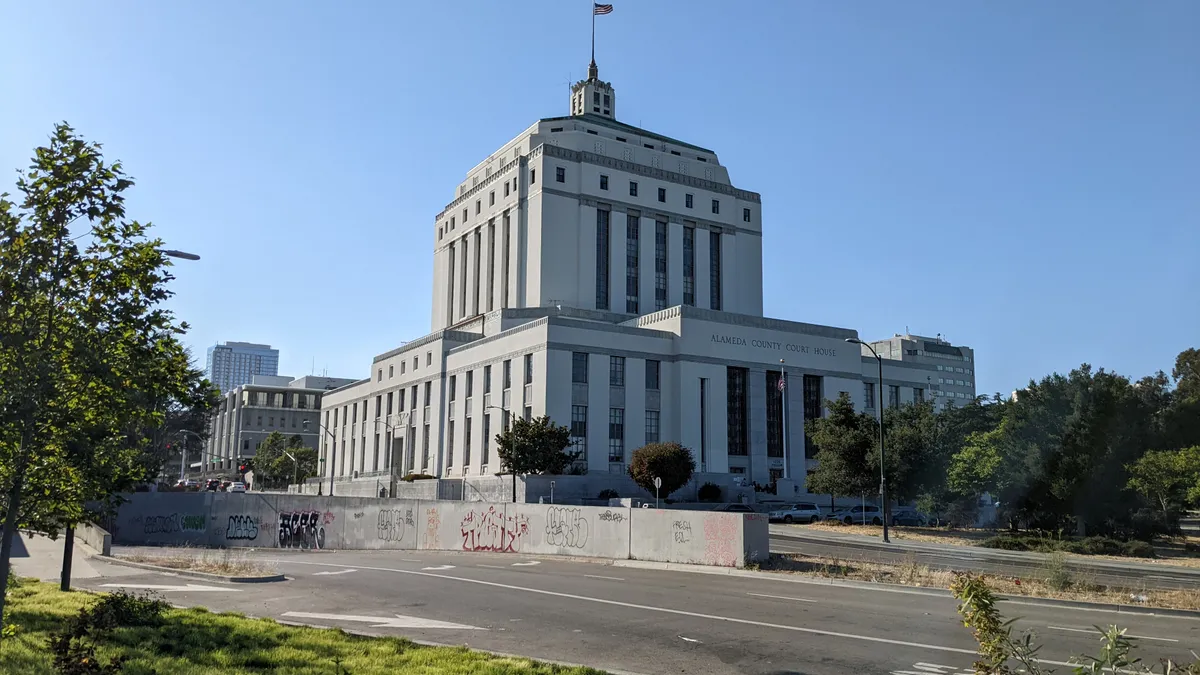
pixel 391 457
pixel 183 457
pixel 883 498
pixel 332 453
pixel 183 255
pixel 508 422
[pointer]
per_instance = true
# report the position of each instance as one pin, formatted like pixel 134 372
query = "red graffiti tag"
pixel 491 531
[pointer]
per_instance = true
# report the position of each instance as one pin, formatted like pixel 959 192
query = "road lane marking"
pixel 526 564
pixel 688 639
pixel 436 568
pixel 491 567
pixel 398 621
pixel 781 597
pixel 599 576
pixel 1093 631
pixel 191 588
pixel 317 574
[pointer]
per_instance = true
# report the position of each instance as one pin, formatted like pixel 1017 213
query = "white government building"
pixel 611 278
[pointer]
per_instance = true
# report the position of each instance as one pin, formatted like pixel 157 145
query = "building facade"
pixel 611 278
pixel 250 412
pixel 235 363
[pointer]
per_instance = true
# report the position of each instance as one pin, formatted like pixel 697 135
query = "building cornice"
pixel 619 206
pixel 476 189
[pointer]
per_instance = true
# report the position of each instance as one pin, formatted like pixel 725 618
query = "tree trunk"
pixel 68 551
pixel 10 525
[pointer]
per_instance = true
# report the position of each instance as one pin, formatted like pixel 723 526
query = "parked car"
pixel 212 484
pixel 908 515
pixel 237 487
pixel 803 512
pixel 861 515
pixel 735 508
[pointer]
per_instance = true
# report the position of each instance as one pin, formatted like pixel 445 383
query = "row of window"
pixel 278 399
pixel 448 226
pixel 956 369
pixel 415 363
pixel 961 383
pixel 616 430
pixel 893 395
pixel 457 307
pixel 621 139
pixel 560 175
pixel 633 264
pixel 616 371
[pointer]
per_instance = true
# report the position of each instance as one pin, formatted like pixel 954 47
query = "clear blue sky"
pixel 1023 177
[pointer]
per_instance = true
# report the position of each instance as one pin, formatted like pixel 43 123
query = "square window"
pixel 716 206
pixel 560 175
pixel 745 215
pixel 603 182
pixel 687 201
pixel 662 194
pixel 632 188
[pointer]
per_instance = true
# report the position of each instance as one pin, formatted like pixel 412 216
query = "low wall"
pixel 303 521
pixel 94 536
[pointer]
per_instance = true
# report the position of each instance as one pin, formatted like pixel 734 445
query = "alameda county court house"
pixel 611 278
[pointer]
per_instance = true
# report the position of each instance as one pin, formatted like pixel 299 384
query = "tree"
pixel 845 439
pixel 84 341
pixel 1166 476
pixel 273 467
pixel 538 446
pixel 669 461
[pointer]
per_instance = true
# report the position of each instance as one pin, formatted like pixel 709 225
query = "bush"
pixel 709 492
pixel 608 493
pixel 669 461
pixel 419 476
pixel 1139 549
pixel 74 645
pixel 1031 541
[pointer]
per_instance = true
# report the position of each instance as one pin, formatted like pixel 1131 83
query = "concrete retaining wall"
pixel 302 521
pixel 94 536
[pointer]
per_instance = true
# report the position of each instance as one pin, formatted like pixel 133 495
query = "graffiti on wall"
pixel 242 527
pixel 393 523
pixel 612 517
pixel 303 529
pixel 433 538
pixel 491 531
pixel 720 535
pixel 682 531
pixel 174 523
pixel 566 527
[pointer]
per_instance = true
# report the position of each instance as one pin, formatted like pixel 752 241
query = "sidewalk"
pixel 38 556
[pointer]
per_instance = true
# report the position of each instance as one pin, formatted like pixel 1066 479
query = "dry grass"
pixel 1170 552
pixel 223 561
pixel 1051 582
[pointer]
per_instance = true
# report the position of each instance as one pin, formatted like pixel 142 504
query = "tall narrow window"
pixel 579 428
pixel 487 438
pixel 651 426
pixel 812 410
pixel 375 454
pixel 453 387
pixel 660 265
pixel 528 369
pixel 714 266
pixel 918 394
pixel 633 188
pixel 602 259
pixel 475 280
pixel 652 375
pixel 616 434
pixel 462 289
pixel 467 443
pixel 774 414
pixel 389 403
pixel 450 286
pixel 470 384
pixel 735 379
pixel 425 450
pixel 893 396
pixel 508 374
pixel 869 394
pixel 428 392
pixel 687 201
pixel 632 261
pixel 504 263
pixel 579 367
pixel 487 379
pixel 689 266
pixel 450 444
pixel 616 371
pixel 491 265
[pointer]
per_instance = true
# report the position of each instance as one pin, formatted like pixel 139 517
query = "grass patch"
pixel 1053 581
pixel 1036 541
pixel 220 561
pixel 196 642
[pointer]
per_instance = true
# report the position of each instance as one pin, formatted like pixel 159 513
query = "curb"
pixel 910 590
pixel 190 573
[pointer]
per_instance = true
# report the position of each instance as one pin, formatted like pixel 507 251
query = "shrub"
pixel 74 645
pixel 709 492
pixel 608 493
pixel 669 461
pixel 418 476
pixel 1139 549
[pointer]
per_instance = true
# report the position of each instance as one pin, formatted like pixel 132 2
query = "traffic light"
pixel 242 468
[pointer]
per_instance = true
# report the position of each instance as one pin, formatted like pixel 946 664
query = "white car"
pixel 858 515
pixel 803 512
pixel 237 487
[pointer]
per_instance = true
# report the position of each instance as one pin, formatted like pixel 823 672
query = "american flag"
pixel 782 382
pixel 597 8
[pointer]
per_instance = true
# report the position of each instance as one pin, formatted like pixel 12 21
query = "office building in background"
pixel 233 363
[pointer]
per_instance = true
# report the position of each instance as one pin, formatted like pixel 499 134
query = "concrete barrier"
pixel 94 536
pixel 308 522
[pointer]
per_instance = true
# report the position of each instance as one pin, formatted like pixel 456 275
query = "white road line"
pixel 780 597
pixel 491 567
pixel 598 576
pixel 437 567
pixel 317 574
pixel 410 560
pixel 1093 631
pixel 190 588
pixel 397 621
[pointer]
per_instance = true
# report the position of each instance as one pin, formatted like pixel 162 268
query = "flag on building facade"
pixel 598 8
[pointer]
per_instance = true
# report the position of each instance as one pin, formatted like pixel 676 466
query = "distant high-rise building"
pixel 234 363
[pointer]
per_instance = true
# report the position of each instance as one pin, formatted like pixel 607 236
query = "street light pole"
pixel 332 452
pixel 507 425
pixel 783 394
pixel 392 484
pixel 883 497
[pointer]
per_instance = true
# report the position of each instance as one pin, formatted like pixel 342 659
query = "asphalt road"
pixel 1122 574
pixel 639 620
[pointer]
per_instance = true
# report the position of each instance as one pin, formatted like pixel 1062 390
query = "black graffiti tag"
pixel 241 527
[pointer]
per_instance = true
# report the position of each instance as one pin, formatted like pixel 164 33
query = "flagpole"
pixel 593 31
pixel 783 391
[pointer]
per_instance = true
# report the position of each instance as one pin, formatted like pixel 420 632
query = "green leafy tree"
pixel 1166 476
pixel 84 341
pixel 273 467
pixel 847 441
pixel 538 446
pixel 669 461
